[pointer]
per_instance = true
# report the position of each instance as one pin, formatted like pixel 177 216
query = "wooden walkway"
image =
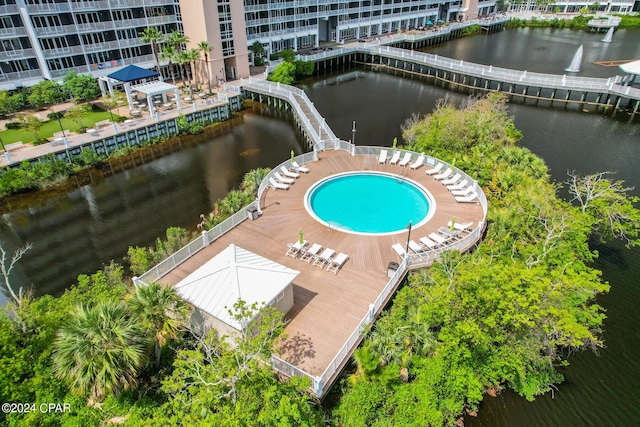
pixel 327 307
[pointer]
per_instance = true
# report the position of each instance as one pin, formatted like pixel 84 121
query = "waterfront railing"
pixel 615 85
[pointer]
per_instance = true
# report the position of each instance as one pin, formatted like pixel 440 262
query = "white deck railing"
pixel 207 237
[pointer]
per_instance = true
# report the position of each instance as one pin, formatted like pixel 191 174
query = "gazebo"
pixel 149 85
pixel 235 274
pixel 632 68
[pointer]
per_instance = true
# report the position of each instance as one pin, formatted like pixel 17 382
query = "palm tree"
pixel 177 39
pixel 193 55
pixel 205 47
pixel 154 37
pixel 162 313
pixel 187 57
pixel 100 350
pixel 168 53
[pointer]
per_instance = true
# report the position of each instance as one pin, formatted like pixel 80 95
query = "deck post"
pixel 372 312
pixel 205 239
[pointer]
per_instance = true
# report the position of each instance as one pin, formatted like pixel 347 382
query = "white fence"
pixel 194 246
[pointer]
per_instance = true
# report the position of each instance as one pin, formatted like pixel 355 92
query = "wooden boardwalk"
pixel 327 307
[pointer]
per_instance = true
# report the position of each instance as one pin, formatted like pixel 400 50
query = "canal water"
pixel 79 231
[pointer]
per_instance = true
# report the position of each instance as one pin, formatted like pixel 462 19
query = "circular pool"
pixel 369 203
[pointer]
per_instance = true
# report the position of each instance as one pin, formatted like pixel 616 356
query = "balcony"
pixel 7 55
pixel 10 9
pixel 91 5
pixel 12 32
pixel 48 8
pixel 62 51
pixel 96 26
pixel 56 31
pixel 158 20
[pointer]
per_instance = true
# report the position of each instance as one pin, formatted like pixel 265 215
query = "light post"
pixel 64 136
pixel 353 133
pixel 6 153
pixel 115 129
pixel 408 237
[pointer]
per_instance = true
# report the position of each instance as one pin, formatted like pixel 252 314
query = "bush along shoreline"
pixel 579 22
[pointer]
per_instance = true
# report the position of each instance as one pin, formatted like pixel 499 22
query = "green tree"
pixel 168 53
pixel 178 40
pixel 32 124
pixel 101 350
pixel 45 94
pixel 223 380
pixel 154 37
pixel 161 312
pixel 82 87
pixel 304 68
pixel 11 102
pixel 607 203
pixel 205 48
pixel 283 73
pixel 583 10
pixel 117 100
pixel 77 113
pixel 191 57
pixel 288 55
pixel 257 48
pixel 252 179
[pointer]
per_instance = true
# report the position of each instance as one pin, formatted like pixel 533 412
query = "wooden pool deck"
pixel 327 307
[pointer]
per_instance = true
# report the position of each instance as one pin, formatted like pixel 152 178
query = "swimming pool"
pixel 369 203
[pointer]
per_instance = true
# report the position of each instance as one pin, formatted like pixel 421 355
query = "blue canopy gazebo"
pixel 149 83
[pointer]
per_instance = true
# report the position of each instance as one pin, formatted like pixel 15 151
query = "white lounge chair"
pixel 295 248
pixel 299 168
pixel 276 185
pixel 419 250
pixel 467 199
pixel 311 253
pixel 337 262
pixel 463 192
pixel 383 156
pixel 428 243
pixel 419 162
pixel 438 239
pixel 288 173
pixel 444 175
pixel 435 170
pixel 459 186
pixel 405 160
pixel 395 158
pixel 455 178
pixel 399 249
pixel 461 226
pixel 324 257
pixel 283 179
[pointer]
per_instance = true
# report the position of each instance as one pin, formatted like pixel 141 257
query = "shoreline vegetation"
pixel 506 315
pixel 579 22
pixel 50 172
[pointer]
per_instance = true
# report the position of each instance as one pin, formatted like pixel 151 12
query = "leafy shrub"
pixel 55 115
pixel 258 61
pixel 13 125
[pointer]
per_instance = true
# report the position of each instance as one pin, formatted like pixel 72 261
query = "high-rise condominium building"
pixel 46 39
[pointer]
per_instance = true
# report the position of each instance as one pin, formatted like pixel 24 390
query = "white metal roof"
pixel 234 274
pixel 631 67
pixel 154 88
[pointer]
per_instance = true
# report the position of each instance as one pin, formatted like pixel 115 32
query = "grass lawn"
pixel 50 127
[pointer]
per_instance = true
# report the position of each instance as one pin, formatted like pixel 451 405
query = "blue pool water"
pixel 368 203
